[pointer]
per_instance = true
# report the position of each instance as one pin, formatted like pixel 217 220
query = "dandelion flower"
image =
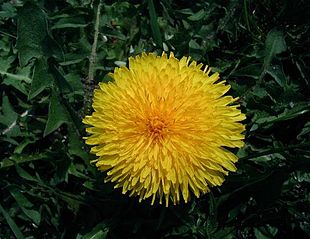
pixel 161 129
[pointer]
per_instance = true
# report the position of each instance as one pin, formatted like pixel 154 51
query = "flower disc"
pixel 161 128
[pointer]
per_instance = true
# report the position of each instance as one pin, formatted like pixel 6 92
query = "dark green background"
pixel 48 187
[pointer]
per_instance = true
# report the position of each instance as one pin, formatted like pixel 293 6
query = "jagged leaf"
pixel 41 78
pixel 57 114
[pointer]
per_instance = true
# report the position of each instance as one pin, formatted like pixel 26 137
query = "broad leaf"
pixel 31 32
pixel 274 44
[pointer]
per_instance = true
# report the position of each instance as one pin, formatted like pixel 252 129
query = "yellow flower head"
pixel 161 128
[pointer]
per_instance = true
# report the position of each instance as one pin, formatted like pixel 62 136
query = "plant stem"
pixel 89 84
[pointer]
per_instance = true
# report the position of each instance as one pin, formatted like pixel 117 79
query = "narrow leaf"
pixel 197 16
pixel 19 159
pixel 154 24
pixel 11 223
pixel 26 206
pixel 24 174
pixel 98 232
pixel 8 117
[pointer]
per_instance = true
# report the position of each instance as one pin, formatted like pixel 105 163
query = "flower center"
pixel 157 127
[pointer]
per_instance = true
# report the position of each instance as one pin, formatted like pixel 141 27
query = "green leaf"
pixel 24 174
pixel 197 16
pixel 212 223
pixel 8 117
pixel 6 63
pixel 69 23
pixel 252 70
pixel 259 92
pixel 65 87
pixel 20 198
pixel 57 114
pixel 19 148
pixel 16 84
pixel 265 232
pixel 60 80
pixel 19 159
pixel 193 44
pixel 76 145
pixel 8 10
pixel 98 232
pixel 186 11
pixel 73 170
pixel 17 77
pixel 41 78
pixel 287 114
pixel 61 174
pixel 26 206
pixel 31 32
pixel 274 44
pixel 225 233
pixel 305 131
pixel 154 24
pixel 75 82
pixel 277 73
pixel 33 215
pixel 11 223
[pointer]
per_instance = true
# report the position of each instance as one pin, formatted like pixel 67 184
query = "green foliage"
pixel 49 189
pixel 31 32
